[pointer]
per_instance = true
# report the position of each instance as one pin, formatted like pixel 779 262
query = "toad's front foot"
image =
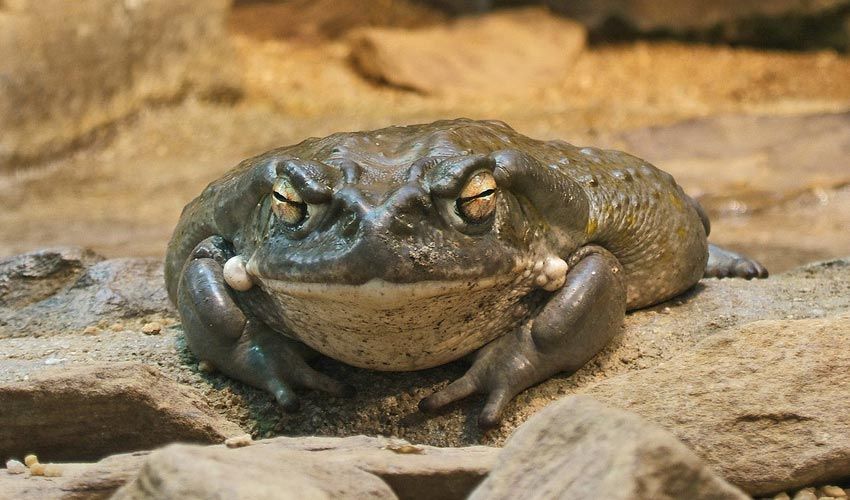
pixel 572 327
pixel 243 347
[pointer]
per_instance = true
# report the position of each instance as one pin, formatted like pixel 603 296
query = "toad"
pixel 409 247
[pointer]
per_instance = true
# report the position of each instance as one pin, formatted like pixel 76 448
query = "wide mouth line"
pixel 381 290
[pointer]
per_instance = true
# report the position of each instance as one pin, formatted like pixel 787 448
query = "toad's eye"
pixel 477 200
pixel 287 204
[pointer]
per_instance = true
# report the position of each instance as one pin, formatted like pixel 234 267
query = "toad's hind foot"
pixel 724 263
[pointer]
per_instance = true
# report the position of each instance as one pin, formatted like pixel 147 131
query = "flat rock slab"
pixel 502 53
pixel 408 471
pixel 68 289
pixel 764 403
pixel 90 412
pixel 67 69
pixel 579 448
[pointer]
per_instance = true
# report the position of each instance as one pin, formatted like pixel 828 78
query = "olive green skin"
pixel 386 273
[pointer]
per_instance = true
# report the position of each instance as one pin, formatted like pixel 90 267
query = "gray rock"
pixel 756 402
pixel 62 289
pixel 90 412
pixel 501 53
pixel 579 448
pixel 69 69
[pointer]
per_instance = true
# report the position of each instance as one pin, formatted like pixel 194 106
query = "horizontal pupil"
pixel 482 194
pixel 281 198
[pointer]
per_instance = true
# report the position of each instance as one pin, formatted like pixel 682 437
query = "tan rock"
pixel 185 471
pixel 429 473
pixel 757 402
pixel 504 52
pixel 69 68
pixel 89 412
pixel 580 448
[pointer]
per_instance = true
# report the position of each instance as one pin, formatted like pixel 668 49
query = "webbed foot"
pixel 219 331
pixel 723 263
pixel 576 323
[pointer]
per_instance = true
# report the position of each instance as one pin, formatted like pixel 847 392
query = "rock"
pixel 806 494
pixel 832 491
pixel 15 467
pixel 785 23
pixel 579 448
pixel 67 70
pixel 182 471
pixel 55 290
pixel 79 480
pixel 89 412
pixel 504 52
pixel 430 472
pixel 756 402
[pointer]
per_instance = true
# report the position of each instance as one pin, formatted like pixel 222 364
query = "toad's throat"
pixel 399 326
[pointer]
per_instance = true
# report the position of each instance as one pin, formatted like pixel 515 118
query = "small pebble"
pixel 30 460
pixel 205 366
pixel 91 330
pixel 806 494
pixel 832 491
pixel 37 469
pixel 404 448
pixel 781 496
pixel 152 328
pixel 116 327
pixel 239 441
pixel 15 467
pixel 52 470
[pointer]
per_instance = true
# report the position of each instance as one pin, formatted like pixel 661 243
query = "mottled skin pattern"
pixel 409 247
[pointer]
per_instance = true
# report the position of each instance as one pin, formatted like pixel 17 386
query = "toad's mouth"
pixel 398 326
pixel 381 294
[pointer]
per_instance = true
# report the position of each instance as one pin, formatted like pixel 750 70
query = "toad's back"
pixel 639 213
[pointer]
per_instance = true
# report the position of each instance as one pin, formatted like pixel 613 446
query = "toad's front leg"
pixel 576 323
pixel 219 331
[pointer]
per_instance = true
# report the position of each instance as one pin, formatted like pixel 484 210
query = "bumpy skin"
pixel 384 272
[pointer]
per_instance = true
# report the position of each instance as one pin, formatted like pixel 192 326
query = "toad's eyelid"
pixel 449 177
pixel 311 179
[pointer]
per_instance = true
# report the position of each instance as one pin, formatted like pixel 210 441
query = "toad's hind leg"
pixel 244 348
pixel 723 263
pixel 576 323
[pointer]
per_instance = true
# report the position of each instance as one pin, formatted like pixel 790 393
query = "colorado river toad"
pixel 409 247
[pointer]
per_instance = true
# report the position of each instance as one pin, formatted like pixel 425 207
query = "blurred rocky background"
pixel 114 114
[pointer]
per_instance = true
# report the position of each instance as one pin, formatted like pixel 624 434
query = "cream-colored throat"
pixel 398 327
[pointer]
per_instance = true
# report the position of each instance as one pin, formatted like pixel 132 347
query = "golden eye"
pixel 477 200
pixel 287 204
